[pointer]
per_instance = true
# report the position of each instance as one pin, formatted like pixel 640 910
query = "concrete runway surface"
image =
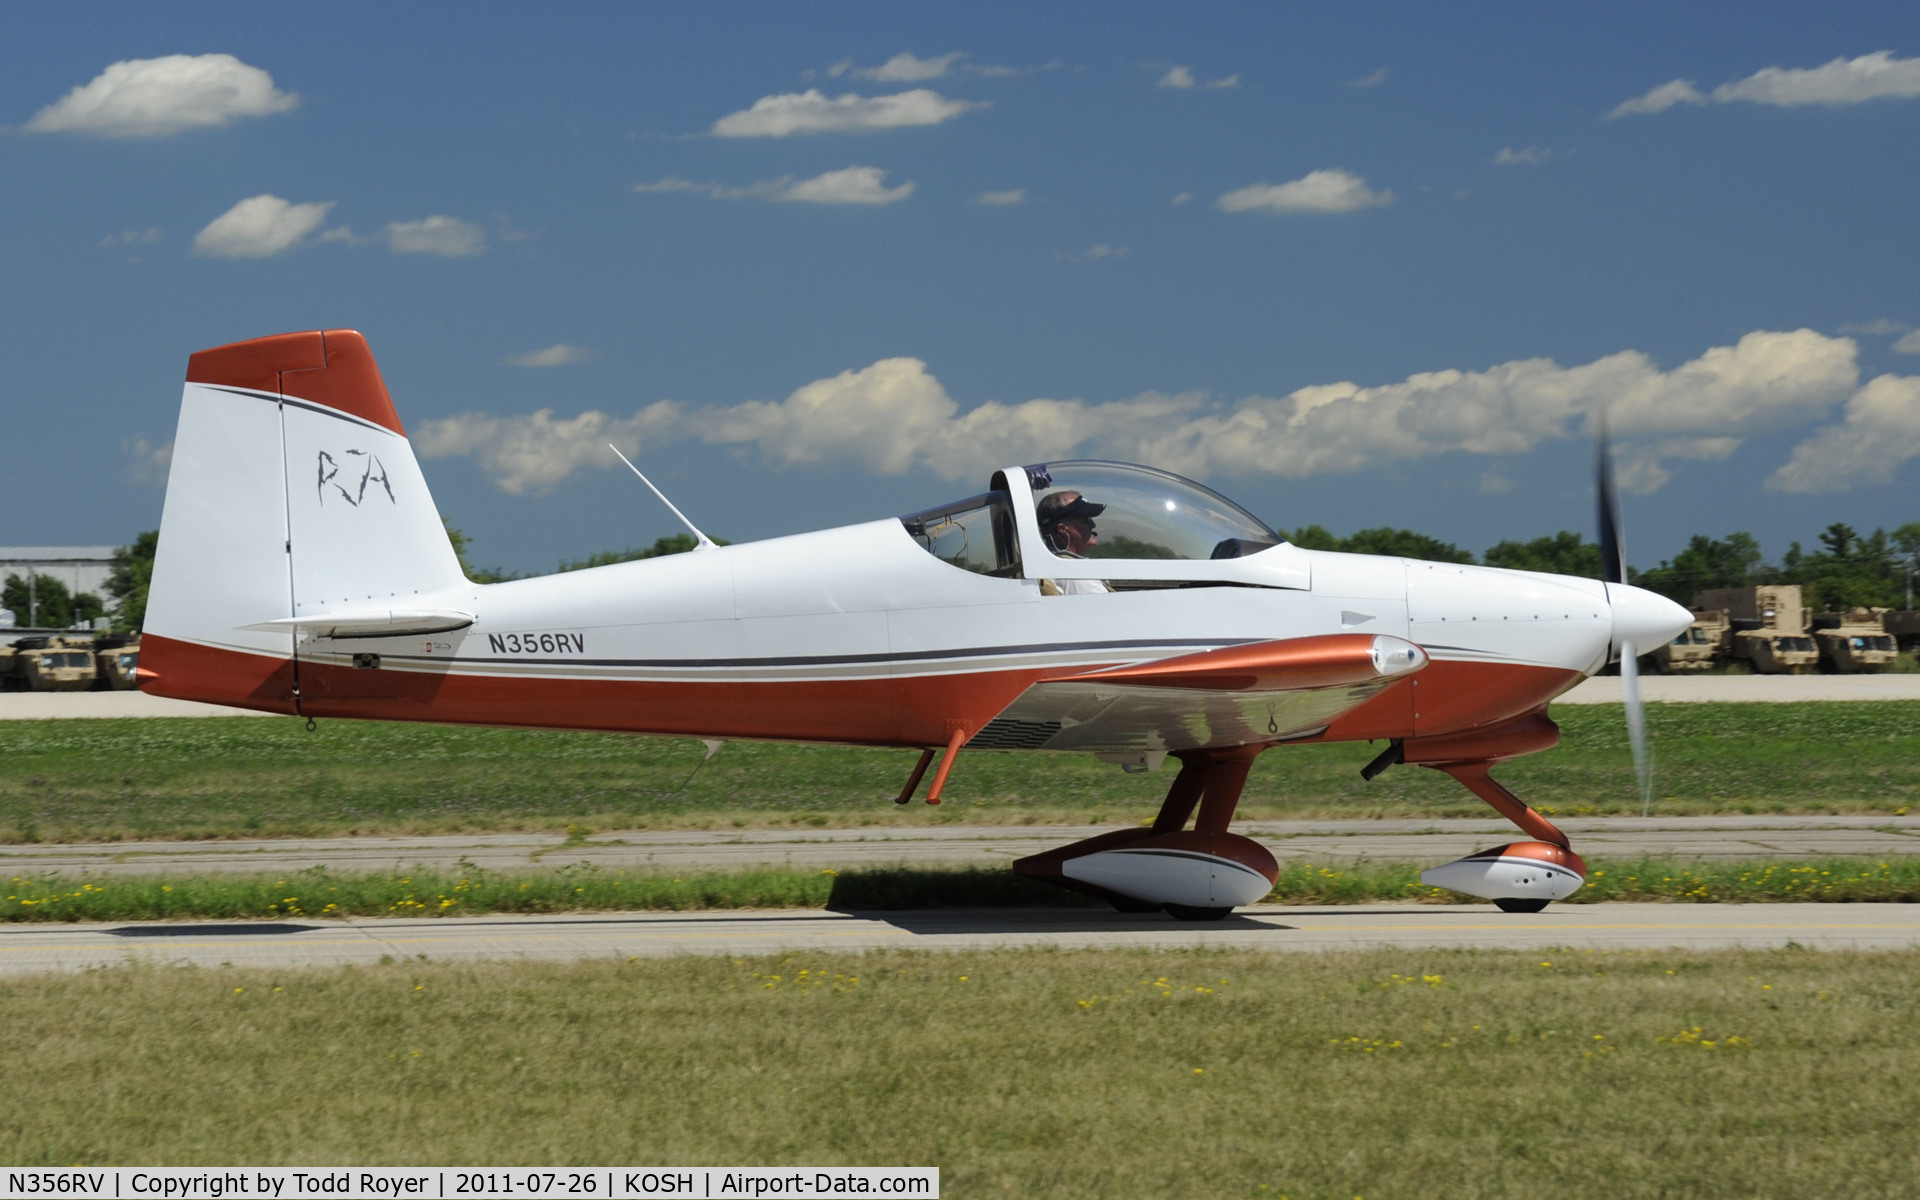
pixel 1599 927
pixel 1325 842
pixel 1604 690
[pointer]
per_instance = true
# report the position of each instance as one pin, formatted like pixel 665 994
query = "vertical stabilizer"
pixel 292 492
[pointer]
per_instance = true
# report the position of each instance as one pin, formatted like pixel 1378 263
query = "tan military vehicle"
pixel 1853 641
pixel 116 657
pixel 1903 625
pixel 1769 626
pixel 50 664
pixel 1700 645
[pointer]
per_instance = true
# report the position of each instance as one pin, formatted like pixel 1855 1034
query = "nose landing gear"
pixel 1520 877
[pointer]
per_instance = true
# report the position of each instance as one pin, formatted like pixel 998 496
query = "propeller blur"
pixel 1092 607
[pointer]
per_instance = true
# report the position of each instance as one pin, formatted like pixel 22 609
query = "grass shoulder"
pixel 1061 1073
pixel 106 780
pixel 318 893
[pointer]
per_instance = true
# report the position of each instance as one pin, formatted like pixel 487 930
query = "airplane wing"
pixel 1236 695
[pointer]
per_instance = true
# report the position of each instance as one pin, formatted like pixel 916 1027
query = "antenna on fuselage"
pixel 701 540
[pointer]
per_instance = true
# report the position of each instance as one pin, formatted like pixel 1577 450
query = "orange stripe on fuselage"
pixel 906 710
pixel 902 711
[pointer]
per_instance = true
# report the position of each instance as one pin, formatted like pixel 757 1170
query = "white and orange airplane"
pixel 1071 606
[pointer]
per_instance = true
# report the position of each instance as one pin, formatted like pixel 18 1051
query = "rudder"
pixel 293 492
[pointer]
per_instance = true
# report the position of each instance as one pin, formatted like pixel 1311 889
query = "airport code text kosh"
pixel 453 1183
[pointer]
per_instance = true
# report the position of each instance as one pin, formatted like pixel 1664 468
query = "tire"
pixel 1128 904
pixel 1194 912
pixel 1516 905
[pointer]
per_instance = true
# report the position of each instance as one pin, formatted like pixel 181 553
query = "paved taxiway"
pixel 1610 927
pixel 1325 842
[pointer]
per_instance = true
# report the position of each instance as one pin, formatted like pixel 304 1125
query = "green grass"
pixel 319 893
pixel 84 780
pixel 1059 1074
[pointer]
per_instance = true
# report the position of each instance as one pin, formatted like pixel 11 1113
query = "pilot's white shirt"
pixel 1076 587
pixel 1081 587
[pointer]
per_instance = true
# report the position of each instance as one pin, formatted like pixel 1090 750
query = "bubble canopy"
pixel 1144 513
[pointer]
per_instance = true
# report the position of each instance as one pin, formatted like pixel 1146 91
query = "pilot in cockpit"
pixel 1066 524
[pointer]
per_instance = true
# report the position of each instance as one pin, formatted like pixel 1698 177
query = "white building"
pixel 81 568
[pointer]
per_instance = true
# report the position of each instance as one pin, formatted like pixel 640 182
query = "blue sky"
pixel 1350 264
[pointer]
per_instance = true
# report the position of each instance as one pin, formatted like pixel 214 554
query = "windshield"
pixel 975 534
pixel 1115 510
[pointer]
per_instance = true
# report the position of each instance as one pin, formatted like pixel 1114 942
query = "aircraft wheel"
pixel 1196 912
pixel 1515 905
pixel 1127 904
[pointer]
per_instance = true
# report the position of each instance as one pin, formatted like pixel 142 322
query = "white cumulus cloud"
pixel 146 462
pixel 1529 156
pixel 1181 78
pixel 812 111
pixel 533 453
pixel 905 68
pixel 850 185
pixel 153 97
pixel 1843 81
pixel 1910 344
pixel 1767 381
pixel 1878 327
pixel 676 183
pixel 895 416
pixel 1094 253
pixel 853 185
pixel 553 356
pixel 1010 196
pixel 449 237
pixel 259 227
pixel 1881 431
pixel 1327 191
pixel 1660 99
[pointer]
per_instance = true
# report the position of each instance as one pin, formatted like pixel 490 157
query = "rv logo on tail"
pixel 373 472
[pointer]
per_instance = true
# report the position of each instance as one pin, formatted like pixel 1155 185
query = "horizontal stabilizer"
pixel 370 622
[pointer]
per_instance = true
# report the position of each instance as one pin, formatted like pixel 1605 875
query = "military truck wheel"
pixel 1516 905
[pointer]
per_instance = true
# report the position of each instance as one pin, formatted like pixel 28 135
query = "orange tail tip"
pixel 333 367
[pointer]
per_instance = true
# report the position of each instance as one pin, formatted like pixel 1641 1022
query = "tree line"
pixel 1847 569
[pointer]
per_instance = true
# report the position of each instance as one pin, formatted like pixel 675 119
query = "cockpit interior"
pixel 1088 510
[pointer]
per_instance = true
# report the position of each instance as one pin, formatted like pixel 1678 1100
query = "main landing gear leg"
pixel 1183 794
pixel 1521 877
pixel 1226 777
pixel 1200 874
